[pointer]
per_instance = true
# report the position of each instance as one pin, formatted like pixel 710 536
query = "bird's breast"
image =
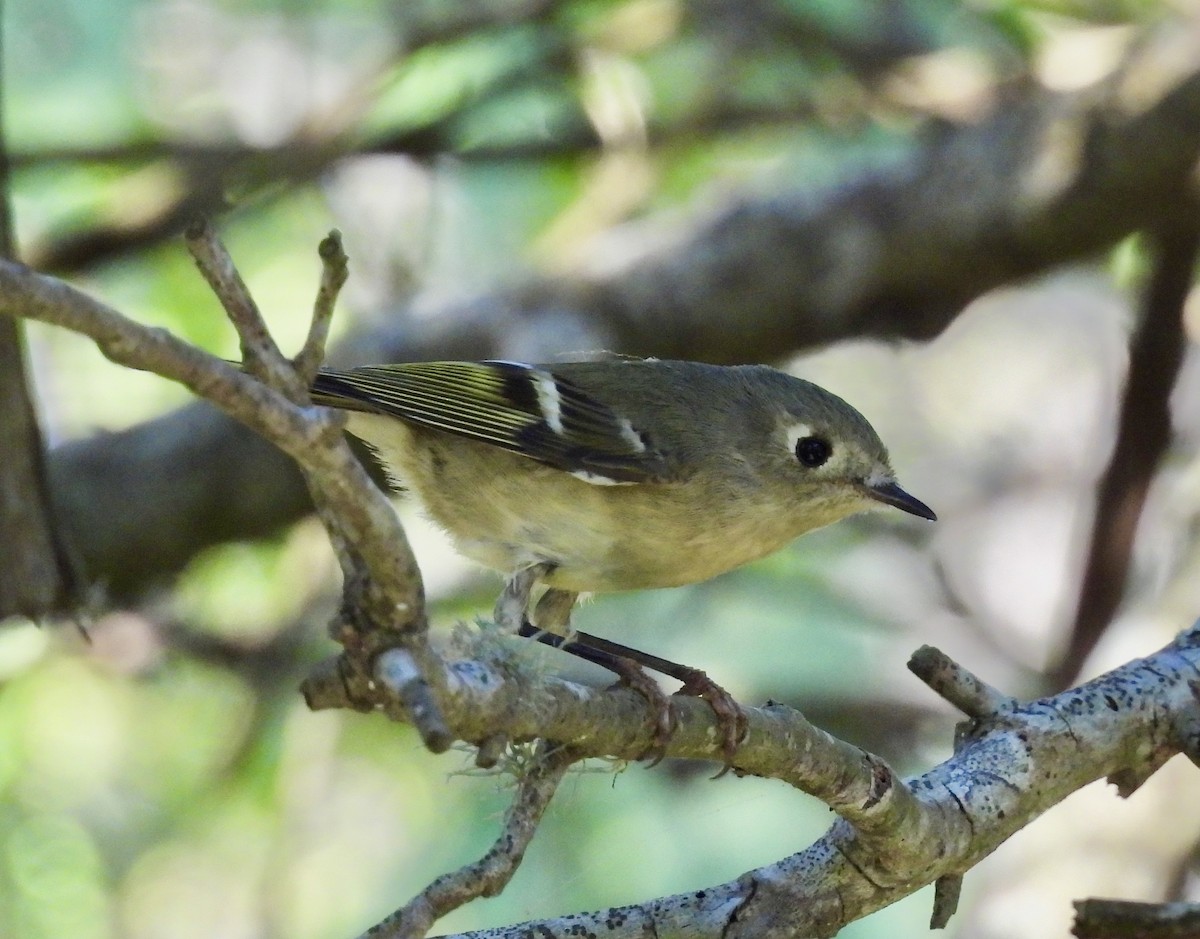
pixel 506 511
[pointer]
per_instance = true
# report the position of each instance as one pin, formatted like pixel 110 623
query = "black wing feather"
pixel 500 404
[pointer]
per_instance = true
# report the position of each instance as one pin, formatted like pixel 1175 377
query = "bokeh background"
pixel 159 774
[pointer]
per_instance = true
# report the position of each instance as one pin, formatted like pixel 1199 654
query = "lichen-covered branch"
pixel 493 692
pixel 1009 769
pixel 488 876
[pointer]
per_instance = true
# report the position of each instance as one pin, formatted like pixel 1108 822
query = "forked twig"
pixel 492 872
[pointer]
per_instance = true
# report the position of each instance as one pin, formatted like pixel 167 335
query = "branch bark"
pixel 1009 768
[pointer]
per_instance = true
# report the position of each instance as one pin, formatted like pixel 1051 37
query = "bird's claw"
pixel 635 677
pixel 730 717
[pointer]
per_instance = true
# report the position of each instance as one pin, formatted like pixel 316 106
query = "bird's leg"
pixel 513 602
pixel 729 714
pixel 628 671
pixel 638 679
pixel 509 614
pixel 695 682
pixel 553 618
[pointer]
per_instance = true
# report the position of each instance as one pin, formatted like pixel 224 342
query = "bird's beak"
pixel 889 492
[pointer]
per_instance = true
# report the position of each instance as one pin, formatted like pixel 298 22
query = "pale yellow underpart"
pixel 508 512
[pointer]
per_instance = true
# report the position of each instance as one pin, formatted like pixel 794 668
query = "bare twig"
pixel 946 892
pixel 377 611
pixel 491 873
pixel 1143 435
pixel 260 355
pixel 979 701
pixel 386 605
pixel 335 269
pixel 966 691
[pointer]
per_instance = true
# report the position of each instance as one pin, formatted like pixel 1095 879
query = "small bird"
pixel 615 474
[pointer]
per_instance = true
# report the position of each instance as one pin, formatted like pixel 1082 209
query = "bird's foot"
pixel 662 717
pixel 730 718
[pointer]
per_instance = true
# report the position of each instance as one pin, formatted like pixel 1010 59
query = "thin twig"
pixel 387 606
pixel 957 684
pixel 260 354
pixel 335 268
pixel 374 614
pixel 947 890
pixel 491 873
pixel 1144 432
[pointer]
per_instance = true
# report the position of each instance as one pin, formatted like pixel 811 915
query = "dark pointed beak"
pixel 890 493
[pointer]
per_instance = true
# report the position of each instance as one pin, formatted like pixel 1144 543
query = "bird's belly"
pixel 593 552
pixel 507 512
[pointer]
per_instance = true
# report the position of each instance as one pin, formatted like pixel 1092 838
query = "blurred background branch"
pixel 41 575
pixel 1143 436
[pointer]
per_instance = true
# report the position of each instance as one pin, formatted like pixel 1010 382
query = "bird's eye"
pixel 813 451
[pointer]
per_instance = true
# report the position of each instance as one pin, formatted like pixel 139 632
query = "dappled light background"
pixel 160 775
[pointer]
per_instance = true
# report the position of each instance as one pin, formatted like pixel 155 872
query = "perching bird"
pixel 617 474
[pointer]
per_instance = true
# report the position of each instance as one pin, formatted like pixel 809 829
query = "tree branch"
pixel 385 604
pixel 967 692
pixel 488 876
pixel 1008 770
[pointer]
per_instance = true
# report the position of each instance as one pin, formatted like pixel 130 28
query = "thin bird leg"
pixel 630 674
pixel 553 612
pixel 553 619
pixel 553 615
pixel 696 682
pixel 509 615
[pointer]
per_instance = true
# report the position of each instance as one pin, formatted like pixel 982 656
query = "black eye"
pixel 813 451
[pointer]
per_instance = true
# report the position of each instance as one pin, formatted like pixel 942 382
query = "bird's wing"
pixel 522 408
